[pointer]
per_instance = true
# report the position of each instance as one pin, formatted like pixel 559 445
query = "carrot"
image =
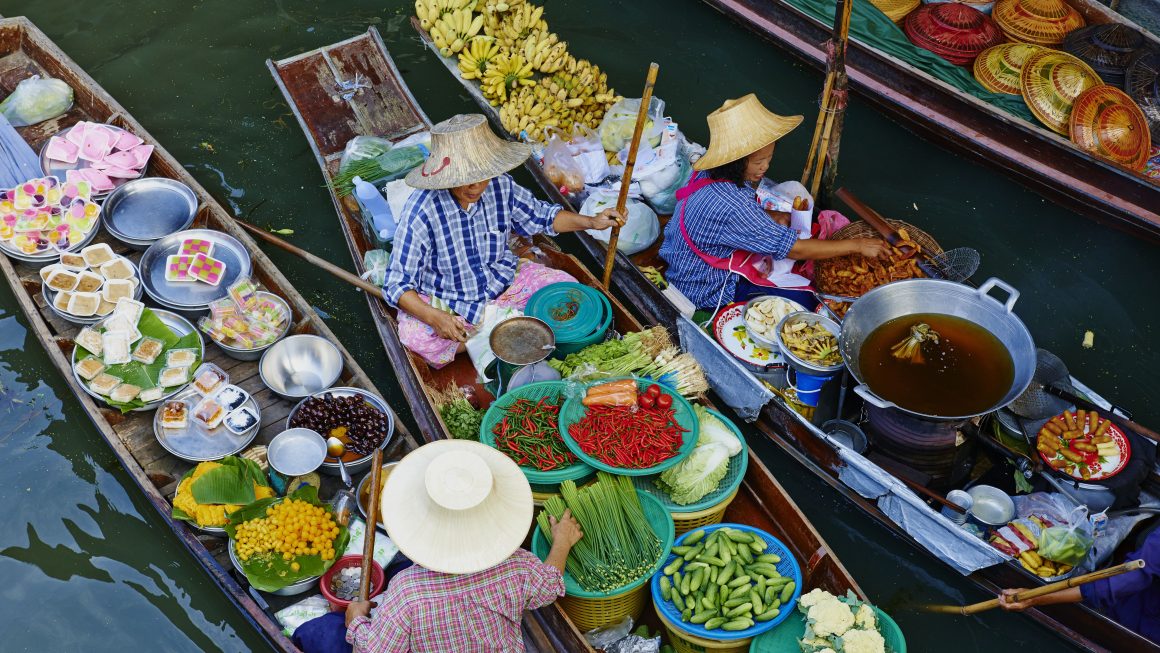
pixel 625 385
pixel 611 399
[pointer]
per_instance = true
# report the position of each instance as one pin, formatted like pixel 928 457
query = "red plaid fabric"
pixel 424 611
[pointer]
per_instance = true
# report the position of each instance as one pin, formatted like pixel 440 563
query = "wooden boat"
pixel 24 51
pixel 386 108
pixel 803 440
pixel 1035 156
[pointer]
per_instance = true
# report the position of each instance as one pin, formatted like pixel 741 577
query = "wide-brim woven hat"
pixel 740 128
pixel 1107 48
pixel 1051 82
pixel 953 31
pixel 999 69
pixel 896 10
pixel 464 150
pixel 1042 22
pixel 457 506
pixel 1107 123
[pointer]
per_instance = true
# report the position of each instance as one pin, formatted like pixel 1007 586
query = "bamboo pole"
pixel 822 158
pixel 333 269
pixel 629 164
pixel 364 587
pixel 1049 588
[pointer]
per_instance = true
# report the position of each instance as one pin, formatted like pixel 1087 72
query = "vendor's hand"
pixel 358 609
pixel 566 530
pixel 870 247
pixel 447 325
pixel 607 218
pixel 1007 600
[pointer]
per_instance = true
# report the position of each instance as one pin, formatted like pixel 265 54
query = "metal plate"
pixel 181 326
pixel 729 329
pixel 195 442
pixel 148 209
pixel 192 295
pixel 59 168
pixel 522 340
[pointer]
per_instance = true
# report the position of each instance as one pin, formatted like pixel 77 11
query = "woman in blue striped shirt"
pixel 721 242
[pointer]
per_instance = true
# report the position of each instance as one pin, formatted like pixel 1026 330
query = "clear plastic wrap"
pixel 37 99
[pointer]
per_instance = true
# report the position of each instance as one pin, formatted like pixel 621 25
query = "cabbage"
pixel 713 430
pixel 696 476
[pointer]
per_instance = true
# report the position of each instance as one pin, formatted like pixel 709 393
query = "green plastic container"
pixel 732 480
pixel 574 410
pixel 579 315
pixel 662 526
pixel 548 481
pixel 784 638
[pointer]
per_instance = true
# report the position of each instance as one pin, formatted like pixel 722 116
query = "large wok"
pixel 902 298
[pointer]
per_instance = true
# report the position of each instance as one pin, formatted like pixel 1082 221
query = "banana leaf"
pixel 232 483
pixel 244 468
pixel 271 573
pixel 139 374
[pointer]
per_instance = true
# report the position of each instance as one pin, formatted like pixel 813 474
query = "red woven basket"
pixel 953 31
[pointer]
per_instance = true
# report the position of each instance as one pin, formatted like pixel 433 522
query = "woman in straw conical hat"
pixel 460 511
pixel 722 246
pixel 451 257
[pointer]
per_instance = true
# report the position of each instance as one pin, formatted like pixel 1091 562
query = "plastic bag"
pixel 664 200
pixel 640 229
pixel 619 638
pixel 36 100
pixel 610 634
pixel 376 261
pixel 620 121
pixel 561 168
pixel 1068 543
pixel 588 153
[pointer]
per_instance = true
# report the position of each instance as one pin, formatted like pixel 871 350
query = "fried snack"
pixel 856 275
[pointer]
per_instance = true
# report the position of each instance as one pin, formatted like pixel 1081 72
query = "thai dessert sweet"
pixel 130 309
pixel 150 395
pixel 118 323
pixel 97 255
pixel 181 357
pixel 209 412
pixel 89 368
pixel 90 340
pixel 209 378
pixel 147 350
pixel 104 384
pixel 231 397
pixel 46 271
pixel 62 280
pixel 89 282
pixel 241 420
pixel 116 289
pixel 118 268
pixel 116 347
pixel 172 376
pixel 73 261
pixel 84 304
pixel 62 299
pixel 105 307
pixel 175 414
pixel 125 393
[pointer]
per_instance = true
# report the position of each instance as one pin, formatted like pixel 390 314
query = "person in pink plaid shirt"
pixel 460 511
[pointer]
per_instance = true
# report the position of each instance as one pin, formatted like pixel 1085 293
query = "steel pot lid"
pixel 522 340
pixel 150 208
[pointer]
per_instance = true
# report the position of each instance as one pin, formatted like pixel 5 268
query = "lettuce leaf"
pixel 713 430
pixel 696 476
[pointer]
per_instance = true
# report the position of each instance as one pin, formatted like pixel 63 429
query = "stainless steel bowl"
pixel 757 337
pixel 181 326
pixel 990 505
pixel 299 366
pixel 360 464
pixel 387 469
pixel 296 451
pixel 290 590
pixel 145 210
pixel 798 363
pixel 255 353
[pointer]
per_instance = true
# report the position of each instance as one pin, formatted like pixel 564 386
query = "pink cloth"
pixel 825 226
pixel 420 338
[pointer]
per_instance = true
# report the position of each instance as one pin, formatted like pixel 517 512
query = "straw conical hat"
pixel 1107 48
pixel 999 68
pixel 464 151
pixel 457 506
pixel 740 128
pixel 1042 22
pixel 1107 123
pixel 953 31
pixel 1051 81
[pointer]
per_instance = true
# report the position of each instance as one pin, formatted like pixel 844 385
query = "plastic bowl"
pixel 255 353
pixel 378 580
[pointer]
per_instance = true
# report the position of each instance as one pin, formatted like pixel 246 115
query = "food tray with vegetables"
pixel 707 476
pixel 727 581
pixel 212 491
pixel 1084 445
pixel 633 427
pixel 851 625
pixel 524 425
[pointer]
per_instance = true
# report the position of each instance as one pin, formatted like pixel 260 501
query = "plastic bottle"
pixel 376 212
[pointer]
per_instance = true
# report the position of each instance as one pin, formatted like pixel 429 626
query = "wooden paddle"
pixel 352 279
pixel 626 179
pixel 1049 588
pixel 364 588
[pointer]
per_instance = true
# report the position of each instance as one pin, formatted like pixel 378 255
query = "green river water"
pixel 85 563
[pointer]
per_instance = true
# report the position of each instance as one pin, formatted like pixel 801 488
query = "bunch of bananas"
pixel 453 30
pixel 429 11
pixel 545 51
pixel 496 6
pixel 474 58
pixel 513 27
pixel 526 112
pixel 505 73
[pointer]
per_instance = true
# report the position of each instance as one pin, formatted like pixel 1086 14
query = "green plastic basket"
pixel 543 481
pixel 587 326
pixel 574 410
pixel 784 638
pixel 662 526
pixel 729 484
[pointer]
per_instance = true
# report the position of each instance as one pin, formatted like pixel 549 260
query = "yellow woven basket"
pixel 687 521
pixel 685 643
pixel 594 613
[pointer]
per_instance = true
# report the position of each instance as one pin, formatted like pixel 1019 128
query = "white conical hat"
pixel 465 151
pixel 457 506
pixel 740 128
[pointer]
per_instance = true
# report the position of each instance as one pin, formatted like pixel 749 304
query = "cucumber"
pixel 678 602
pixel 768 614
pixel 787 591
pixel 763 568
pixel 771 594
pixel 692 553
pixel 681 550
pixel 698 576
pixel 711 550
pixel 733 603
pixel 677 581
pixel 725 575
pixel 715 623
pixel 755 599
pixel 666 587
pixel 674 566
pixel 686 583
pixel 722 594
pixel 713 560
pixel 740 591
pixel 737 611
pixel 686 615
pixel 737 624
pixel 703 616
pixel 758 545
pixel 770 558
pixel 745 554
pixel 725 555
pixel 712 575
pixel 776 604
pixel 708 603
pixel 694 537
pixel 740 537
pixel 739 581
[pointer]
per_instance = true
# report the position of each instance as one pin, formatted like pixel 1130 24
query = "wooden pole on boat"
pixel 1049 588
pixel 364 587
pixel 352 279
pixel 630 163
pixel 823 156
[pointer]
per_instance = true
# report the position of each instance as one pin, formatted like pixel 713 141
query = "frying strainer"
pixel 1035 402
pixel 956 264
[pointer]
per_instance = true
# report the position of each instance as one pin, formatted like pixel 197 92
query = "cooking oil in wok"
pixel 964 371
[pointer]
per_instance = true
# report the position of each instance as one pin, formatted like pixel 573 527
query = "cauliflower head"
pixel 815 595
pixel 863 641
pixel 866 619
pixel 830 617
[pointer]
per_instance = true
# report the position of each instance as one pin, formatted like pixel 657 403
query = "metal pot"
pixel 902 298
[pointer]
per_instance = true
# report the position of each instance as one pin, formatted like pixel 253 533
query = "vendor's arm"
pixel 532 216
pixel 1007 599
pixel 565 534
pixel 446 325
pixel 389 631
pixel 815 249
pixel 544 581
